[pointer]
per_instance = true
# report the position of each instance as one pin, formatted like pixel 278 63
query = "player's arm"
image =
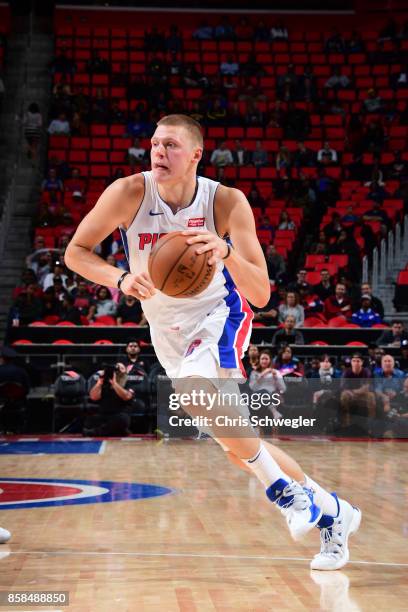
pixel 116 206
pixel 246 262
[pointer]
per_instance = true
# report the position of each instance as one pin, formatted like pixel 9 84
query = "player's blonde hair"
pixel 190 124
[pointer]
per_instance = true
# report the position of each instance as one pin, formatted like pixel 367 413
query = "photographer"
pixel 113 396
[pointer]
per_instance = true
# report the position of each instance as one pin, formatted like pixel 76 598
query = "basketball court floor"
pixel 135 525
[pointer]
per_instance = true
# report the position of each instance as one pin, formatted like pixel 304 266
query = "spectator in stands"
pixel 349 216
pixel 70 312
pixel 356 394
pixel 104 305
pixel 337 80
pixel 255 198
pixel 388 381
pixel 59 289
pixel 266 378
pixel 285 222
pixel 398 170
pixel 60 126
pixel 394 336
pixel 251 361
pixel 300 283
pixel 76 183
pixel 377 213
pixel 259 155
pixel 292 307
pixel 326 150
pixel 261 32
pixel 325 288
pixel 253 116
pixel 297 123
pixel 32 125
pixel 137 155
pixel 240 155
pixel 203 32
pixel 83 298
pixel 375 355
pixel 10 371
pixel 287 84
pixel 279 32
pixel 308 85
pixel 97 64
pixel 312 305
pixel 373 102
pixel 283 161
pixel 287 334
pixel 287 364
pixel 130 311
pixel 397 417
pixel 216 113
pixel 41 262
pixel 355 43
pixel 224 30
pixel 303 157
pixel 275 263
pixel 174 41
pixel 229 67
pixel 346 245
pixel 338 304
pixel 277 115
pixel 100 106
pixel 334 43
pixel 27 307
pixel 57 271
pixel 138 127
pixel 268 314
pixel 376 303
pixel 221 156
pixel 366 316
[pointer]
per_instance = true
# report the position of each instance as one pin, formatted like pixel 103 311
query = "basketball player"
pixel 210 332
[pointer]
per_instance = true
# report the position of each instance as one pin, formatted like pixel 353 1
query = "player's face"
pixel 173 154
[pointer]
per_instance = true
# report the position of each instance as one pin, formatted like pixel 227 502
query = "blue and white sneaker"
pixel 297 505
pixel 334 535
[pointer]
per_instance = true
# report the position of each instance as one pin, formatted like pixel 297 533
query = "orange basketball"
pixel 176 269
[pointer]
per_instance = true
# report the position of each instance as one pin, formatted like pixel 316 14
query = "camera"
pixel 108 371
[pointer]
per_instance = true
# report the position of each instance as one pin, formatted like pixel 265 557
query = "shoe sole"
pixel 354 527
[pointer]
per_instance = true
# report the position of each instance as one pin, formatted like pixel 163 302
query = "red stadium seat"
pixel 337 322
pixel 356 342
pixel 105 320
pixel 62 341
pixel 102 341
pixel 319 343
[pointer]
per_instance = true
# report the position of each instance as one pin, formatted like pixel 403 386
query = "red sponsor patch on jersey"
pixel 196 222
pixel 193 346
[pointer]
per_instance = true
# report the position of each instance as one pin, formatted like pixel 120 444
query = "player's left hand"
pixel 213 243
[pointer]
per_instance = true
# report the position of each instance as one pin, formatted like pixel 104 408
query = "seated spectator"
pixel 138 127
pixel 277 115
pixel 300 283
pixel 174 41
pixel 59 289
pixel 240 155
pixel 251 360
pixel 268 314
pixel 376 303
pixel 76 182
pixel 397 417
pixel 338 304
pixel 291 306
pixel 265 224
pixel 279 32
pixel 328 151
pixel 52 184
pixel 337 80
pixel 60 126
pixel 42 263
pixel 203 32
pixel 285 222
pixel 130 311
pixel 136 154
pixel 283 161
pixel 83 299
pixel 275 263
pixel 349 216
pixel 57 271
pixel 325 288
pixel 259 155
pixel 229 67
pixel 216 113
pixel 398 170
pixel 69 312
pixel 394 336
pixel 388 381
pixel 366 316
pixel 377 213
pixel 287 334
pixel 28 306
pixel 224 30
pixel 346 245
pixel 373 102
pixel 334 43
pixel 303 157
pixel 311 302
pixel 355 43
pixel 103 305
pixel 261 32
pixel 255 199
pixel 356 396
pixel 221 156
pixel 132 359
pixel 96 64
pixel 287 364
pixel 287 84
pixel 264 377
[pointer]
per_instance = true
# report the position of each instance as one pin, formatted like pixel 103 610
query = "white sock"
pixel 265 467
pixel 322 498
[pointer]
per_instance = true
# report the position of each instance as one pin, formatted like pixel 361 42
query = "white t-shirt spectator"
pixel 221 158
pixel 57 126
pixel 49 280
pixel 331 152
pixel 138 152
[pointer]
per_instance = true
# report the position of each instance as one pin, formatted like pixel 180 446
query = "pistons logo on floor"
pixel 37 493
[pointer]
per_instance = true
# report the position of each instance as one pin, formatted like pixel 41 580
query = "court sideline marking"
pixel 193 555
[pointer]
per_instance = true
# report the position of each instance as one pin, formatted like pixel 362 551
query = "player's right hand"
pixel 139 285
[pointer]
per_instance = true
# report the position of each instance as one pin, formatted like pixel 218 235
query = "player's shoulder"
pixel 128 187
pixel 229 196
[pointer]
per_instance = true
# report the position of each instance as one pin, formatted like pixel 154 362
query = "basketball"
pixel 176 269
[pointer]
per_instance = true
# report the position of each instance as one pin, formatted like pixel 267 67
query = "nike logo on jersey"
pixel 153 214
